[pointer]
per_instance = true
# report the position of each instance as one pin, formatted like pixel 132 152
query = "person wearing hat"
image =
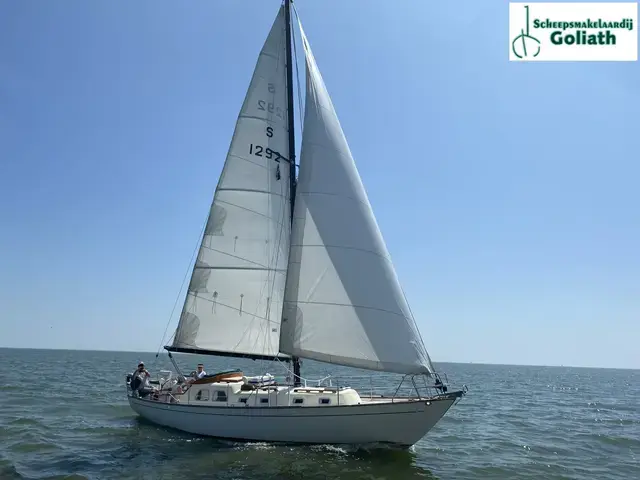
pixel 197 374
pixel 200 371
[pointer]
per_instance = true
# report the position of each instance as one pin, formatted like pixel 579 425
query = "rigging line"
pixel 272 260
pixel 204 226
pixel 416 329
pixel 285 366
pixel 271 281
pixel 295 55
pixel 281 233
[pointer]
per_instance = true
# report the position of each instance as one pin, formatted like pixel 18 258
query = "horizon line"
pixel 450 362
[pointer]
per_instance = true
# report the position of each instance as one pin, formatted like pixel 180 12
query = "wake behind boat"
pixel 294 267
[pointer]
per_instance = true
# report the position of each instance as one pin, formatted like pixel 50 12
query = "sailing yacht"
pixel 289 267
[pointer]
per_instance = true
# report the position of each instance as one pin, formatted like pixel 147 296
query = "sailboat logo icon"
pixel 525 45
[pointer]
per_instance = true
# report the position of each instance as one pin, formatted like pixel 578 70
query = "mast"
pixel 292 144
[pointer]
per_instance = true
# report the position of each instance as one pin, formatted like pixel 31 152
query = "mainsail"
pixel 343 301
pixel 235 296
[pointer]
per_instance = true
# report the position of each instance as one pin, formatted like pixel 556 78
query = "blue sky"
pixel 507 193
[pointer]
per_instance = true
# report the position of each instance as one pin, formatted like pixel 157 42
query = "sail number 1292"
pixel 260 151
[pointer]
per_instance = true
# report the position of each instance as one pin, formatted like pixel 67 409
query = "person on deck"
pixel 198 374
pixel 140 380
pixel 440 386
pixel 200 371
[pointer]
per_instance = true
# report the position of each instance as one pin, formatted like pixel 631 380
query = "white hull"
pixel 395 421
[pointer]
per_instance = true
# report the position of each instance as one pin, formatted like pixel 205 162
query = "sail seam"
pixel 304 245
pixel 234 256
pixel 260 269
pixel 250 190
pixel 249 210
pixel 348 305
pixel 262 119
pixel 261 165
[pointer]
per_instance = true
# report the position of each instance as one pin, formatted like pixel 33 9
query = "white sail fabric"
pixel 343 302
pixel 235 296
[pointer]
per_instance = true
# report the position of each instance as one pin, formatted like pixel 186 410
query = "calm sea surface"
pixel 63 414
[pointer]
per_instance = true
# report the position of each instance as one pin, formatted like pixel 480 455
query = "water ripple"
pixel 516 422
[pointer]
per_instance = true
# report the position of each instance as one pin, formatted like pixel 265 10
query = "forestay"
pixel 235 296
pixel 343 302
